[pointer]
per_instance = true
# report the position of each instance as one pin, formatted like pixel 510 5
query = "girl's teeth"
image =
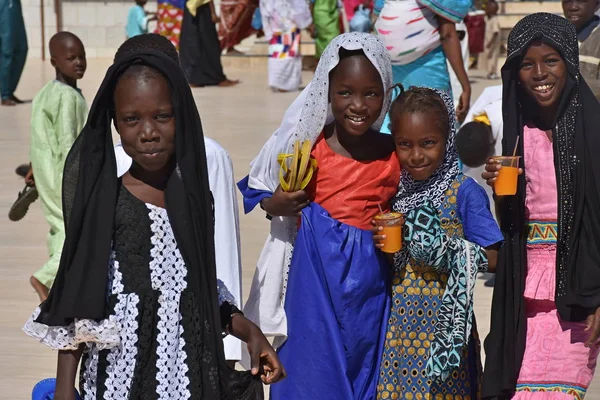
pixel 543 87
pixel 355 119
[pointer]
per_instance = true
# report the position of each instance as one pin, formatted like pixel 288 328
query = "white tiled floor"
pixel 240 119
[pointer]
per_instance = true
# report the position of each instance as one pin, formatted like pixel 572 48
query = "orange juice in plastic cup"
pixel 506 182
pixel 391 222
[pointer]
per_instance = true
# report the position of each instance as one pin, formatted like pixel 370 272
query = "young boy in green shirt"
pixel 58 114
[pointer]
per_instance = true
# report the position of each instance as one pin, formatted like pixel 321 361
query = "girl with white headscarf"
pixel 320 285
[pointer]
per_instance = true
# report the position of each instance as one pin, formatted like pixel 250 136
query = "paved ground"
pixel 240 119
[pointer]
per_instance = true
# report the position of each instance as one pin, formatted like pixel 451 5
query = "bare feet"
pixel 40 289
pixel 228 83
pixel 232 51
pixel 9 102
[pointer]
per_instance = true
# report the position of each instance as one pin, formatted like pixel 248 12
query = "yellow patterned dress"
pixel 417 292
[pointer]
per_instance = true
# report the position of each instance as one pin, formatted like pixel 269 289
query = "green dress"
pixel 58 114
pixel 326 17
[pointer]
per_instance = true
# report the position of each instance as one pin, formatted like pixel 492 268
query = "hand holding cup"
pixel 501 174
pixel 387 231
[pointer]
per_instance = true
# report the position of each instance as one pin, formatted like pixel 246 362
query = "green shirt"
pixel 58 114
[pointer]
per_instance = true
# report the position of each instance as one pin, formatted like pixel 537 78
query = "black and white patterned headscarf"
pixel 576 144
pixel 412 193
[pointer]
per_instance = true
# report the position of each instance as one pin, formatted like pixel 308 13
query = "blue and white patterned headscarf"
pixel 412 193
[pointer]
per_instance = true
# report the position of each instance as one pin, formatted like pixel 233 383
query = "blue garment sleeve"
pixel 479 225
pixel 224 294
pixel 252 197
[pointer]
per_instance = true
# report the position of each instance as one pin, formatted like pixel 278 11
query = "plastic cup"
pixel 506 182
pixel 392 228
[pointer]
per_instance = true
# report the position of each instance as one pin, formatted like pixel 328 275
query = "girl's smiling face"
pixel 420 143
pixel 356 94
pixel 145 118
pixel 543 75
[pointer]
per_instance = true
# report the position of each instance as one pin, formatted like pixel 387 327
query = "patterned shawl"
pixel 428 243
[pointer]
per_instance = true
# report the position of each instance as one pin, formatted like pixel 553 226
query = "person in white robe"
pixel 227 232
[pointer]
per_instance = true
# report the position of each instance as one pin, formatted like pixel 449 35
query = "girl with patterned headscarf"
pixel 545 311
pixel 320 287
pixel 431 346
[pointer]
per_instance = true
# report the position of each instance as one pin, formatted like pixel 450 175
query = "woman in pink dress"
pixel 543 342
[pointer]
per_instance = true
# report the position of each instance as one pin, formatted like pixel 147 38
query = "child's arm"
pixel 69 122
pixel 489 44
pixel 284 204
pixel 68 360
pixel 452 49
pixel 263 357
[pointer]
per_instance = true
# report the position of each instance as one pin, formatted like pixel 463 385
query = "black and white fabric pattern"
pixel 145 346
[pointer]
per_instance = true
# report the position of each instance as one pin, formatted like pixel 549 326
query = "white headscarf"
pixel 304 120
pixel 310 112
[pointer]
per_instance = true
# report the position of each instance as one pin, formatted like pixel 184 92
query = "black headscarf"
pixel 576 144
pixel 90 189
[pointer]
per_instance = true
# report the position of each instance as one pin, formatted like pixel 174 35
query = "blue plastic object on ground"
pixel 44 390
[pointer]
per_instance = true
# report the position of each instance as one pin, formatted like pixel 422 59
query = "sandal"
pixel 20 207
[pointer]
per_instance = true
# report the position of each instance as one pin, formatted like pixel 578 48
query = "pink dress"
pixel 556 364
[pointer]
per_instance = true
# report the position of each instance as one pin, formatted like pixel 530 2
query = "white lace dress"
pixel 146 347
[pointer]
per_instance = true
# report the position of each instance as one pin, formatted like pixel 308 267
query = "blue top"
pixel 479 225
pixel 137 23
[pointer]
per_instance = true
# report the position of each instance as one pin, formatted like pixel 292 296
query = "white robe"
pixel 227 232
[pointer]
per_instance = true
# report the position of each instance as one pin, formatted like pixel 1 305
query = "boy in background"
pixel 58 114
pixel 491 40
pixel 582 14
pixel 137 19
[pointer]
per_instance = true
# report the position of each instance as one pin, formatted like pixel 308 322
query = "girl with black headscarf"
pixel 136 291
pixel 545 310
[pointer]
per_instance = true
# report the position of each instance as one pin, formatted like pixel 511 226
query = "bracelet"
pixel 267 215
pixel 227 312
pixel 228 326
